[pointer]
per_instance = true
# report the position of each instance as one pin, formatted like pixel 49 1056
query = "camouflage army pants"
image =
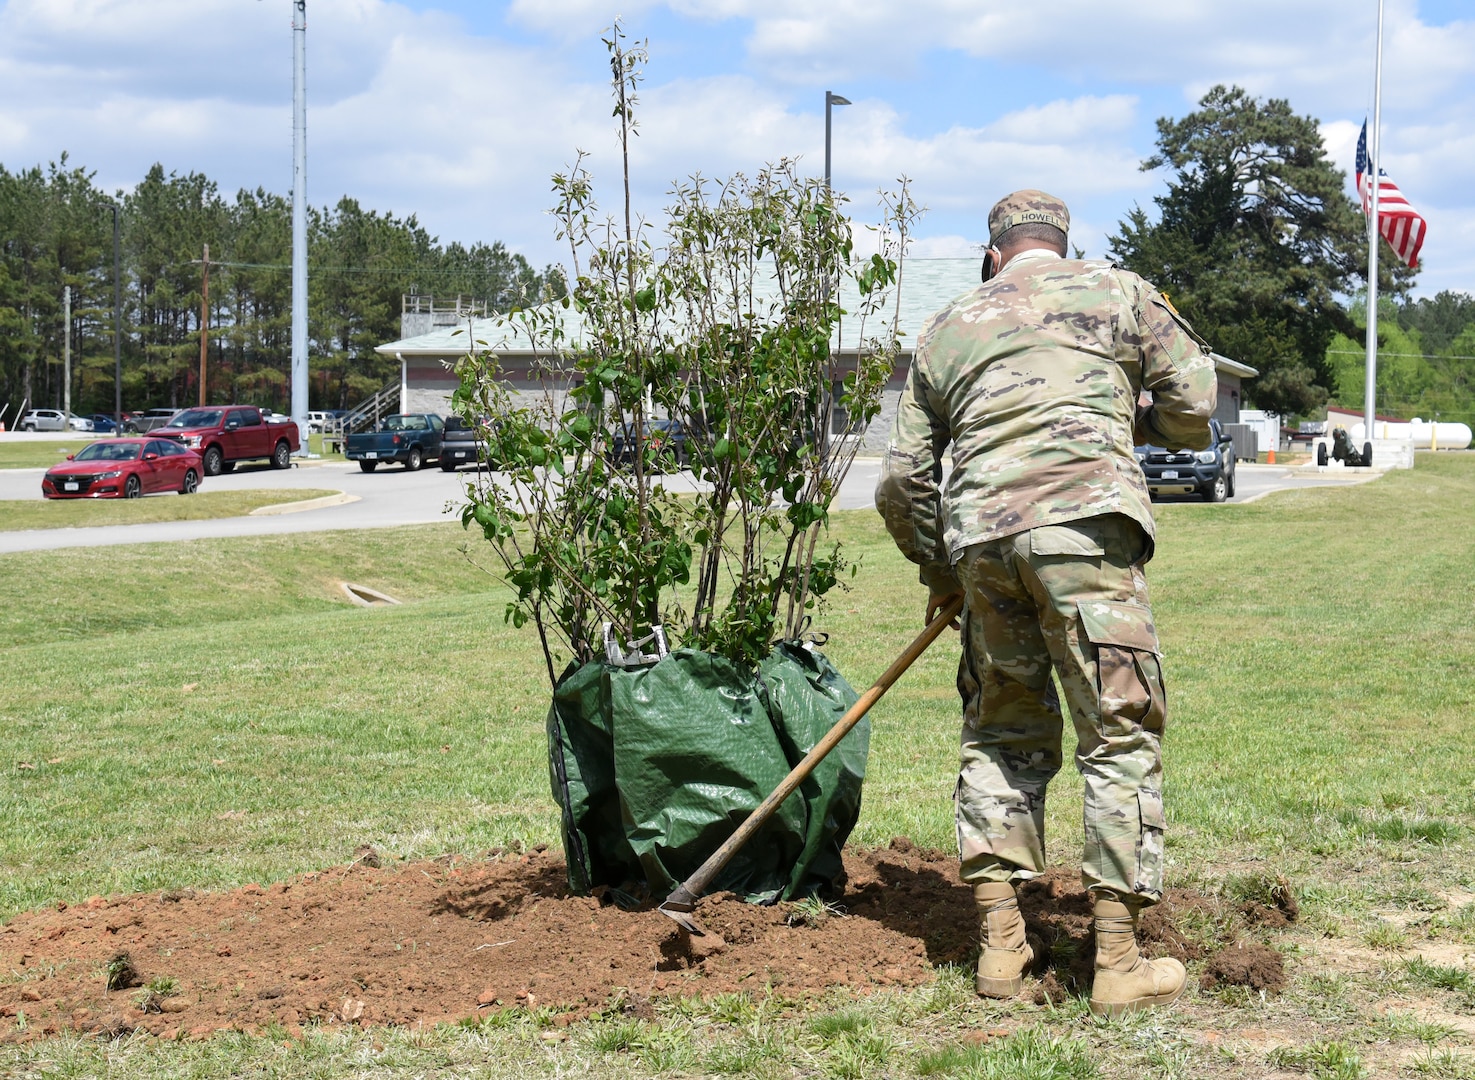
pixel 1073 598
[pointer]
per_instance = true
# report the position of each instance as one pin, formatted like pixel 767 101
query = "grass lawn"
pixel 40 454
pixel 315 446
pixel 80 513
pixel 1319 649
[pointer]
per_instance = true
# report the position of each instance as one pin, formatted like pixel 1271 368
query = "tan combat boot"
pixel 1005 952
pixel 1125 979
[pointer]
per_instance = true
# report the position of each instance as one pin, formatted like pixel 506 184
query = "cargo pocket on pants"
pixel 1149 876
pixel 1081 539
pixel 1129 677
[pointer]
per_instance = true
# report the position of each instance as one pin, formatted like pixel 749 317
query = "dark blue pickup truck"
pixel 410 439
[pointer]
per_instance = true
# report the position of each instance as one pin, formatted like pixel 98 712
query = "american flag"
pixel 1399 222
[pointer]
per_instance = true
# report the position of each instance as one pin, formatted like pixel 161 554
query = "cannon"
pixel 1342 450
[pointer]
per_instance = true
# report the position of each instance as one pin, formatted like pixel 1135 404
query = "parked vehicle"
pixel 411 439
pixel 141 423
pixel 79 423
pixel 101 422
pixel 464 443
pixel 665 441
pixel 124 469
pixel 1209 473
pixel 226 434
pixel 44 420
pixel 325 421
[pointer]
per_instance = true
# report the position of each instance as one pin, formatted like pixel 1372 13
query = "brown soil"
pixel 1280 913
pixel 1245 963
pixel 420 943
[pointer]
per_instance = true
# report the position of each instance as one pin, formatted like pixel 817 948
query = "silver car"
pixel 44 420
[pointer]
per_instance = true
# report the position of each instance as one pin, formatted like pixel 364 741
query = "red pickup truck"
pixel 225 434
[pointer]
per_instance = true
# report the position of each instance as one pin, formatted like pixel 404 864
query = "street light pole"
pixel 831 100
pixel 204 319
pixel 66 352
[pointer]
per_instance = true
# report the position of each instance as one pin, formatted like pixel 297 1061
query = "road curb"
pixel 300 505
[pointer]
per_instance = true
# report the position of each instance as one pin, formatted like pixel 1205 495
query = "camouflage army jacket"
pixel 1034 379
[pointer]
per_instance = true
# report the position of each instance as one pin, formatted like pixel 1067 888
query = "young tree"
pixel 729 329
pixel 1256 240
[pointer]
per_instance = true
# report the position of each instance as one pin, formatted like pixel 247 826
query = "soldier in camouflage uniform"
pixel 1034 380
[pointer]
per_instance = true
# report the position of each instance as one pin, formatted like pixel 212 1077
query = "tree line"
pixel 1256 241
pixel 57 230
pixel 1426 359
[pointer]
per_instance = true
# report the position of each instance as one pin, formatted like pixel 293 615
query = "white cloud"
pixel 946 247
pixel 1084 118
pixel 575 19
pixel 201 48
pixel 410 112
pixel 1266 43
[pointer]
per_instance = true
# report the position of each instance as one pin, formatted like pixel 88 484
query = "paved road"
pixel 385 498
pixel 392 497
pixel 1251 482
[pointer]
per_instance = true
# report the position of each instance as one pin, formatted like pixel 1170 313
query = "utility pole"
pixel 299 217
pixel 66 351
pixel 204 319
pixel 117 330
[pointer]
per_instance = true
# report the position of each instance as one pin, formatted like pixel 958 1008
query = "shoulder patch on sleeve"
pixel 1169 327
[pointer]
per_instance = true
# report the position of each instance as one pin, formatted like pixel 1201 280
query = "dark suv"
pixel 665 442
pixel 464 443
pixel 1208 473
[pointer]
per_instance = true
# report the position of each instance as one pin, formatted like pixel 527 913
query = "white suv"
pixel 44 420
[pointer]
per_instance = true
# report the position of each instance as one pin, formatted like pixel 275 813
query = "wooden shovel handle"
pixel 695 885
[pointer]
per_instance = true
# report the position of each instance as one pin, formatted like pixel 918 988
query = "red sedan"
pixel 124 469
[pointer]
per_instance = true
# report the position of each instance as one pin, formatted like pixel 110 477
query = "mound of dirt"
pixel 1282 909
pixel 420 943
pixel 1245 963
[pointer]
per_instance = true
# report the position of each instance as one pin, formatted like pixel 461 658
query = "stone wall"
pixel 423 400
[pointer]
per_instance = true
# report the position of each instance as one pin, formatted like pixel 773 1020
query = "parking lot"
pixel 392 496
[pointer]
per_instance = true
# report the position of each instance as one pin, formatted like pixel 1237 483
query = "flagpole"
pixel 1375 149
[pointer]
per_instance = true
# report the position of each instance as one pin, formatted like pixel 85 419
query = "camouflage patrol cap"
pixel 1026 207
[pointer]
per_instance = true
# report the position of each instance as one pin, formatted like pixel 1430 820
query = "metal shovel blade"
pixel 677 908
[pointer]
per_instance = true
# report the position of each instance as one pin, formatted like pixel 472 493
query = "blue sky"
pixel 457 111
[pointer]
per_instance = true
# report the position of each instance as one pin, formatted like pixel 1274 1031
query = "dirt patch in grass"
pixel 1245 963
pixel 419 943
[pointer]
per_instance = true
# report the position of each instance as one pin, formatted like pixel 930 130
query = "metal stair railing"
pixel 366 414
pixel 371 411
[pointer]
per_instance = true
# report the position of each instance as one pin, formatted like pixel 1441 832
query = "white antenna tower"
pixel 299 218
pixel 1375 181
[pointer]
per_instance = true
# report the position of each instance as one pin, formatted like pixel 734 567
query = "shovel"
pixel 684 897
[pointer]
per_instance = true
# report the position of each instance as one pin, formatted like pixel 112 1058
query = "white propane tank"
pixel 1425 434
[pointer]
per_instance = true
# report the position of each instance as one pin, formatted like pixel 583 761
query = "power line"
pixel 350 269
pixel 1405 355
